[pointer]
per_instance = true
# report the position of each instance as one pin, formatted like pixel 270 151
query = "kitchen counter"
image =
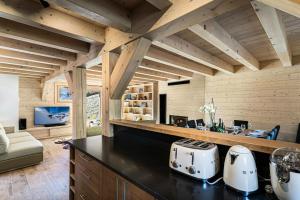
pixel 254 144
pixel 143 161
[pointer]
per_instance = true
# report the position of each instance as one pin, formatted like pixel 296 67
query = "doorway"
pixel 162 108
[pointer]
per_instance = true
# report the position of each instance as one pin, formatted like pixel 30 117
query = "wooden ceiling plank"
pixel 106 12
pixel 130 58
pixel 33 58
pixel 160 4
pixel 22 32
pixel 34 14
pixel 185 49
pixel 25 47
pixel 27 64
pixel 24 68
pixel 21 72
pixel 148 64
pixel 166 58
pixel 155 73
pixel 21 75
pixel 216 35
pixel 291 7
pixel 273 25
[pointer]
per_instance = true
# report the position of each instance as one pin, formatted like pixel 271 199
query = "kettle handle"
pixel 233 158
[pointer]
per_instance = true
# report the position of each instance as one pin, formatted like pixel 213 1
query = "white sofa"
pixel 18 150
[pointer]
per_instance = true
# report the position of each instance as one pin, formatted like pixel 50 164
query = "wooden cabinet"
pixel 89 180
pixel 110 187
pixel 134 193
pixel 50 132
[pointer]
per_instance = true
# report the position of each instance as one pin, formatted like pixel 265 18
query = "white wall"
pixel 9 100
pixel 186 99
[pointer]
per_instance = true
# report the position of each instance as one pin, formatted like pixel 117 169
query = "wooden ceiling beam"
pixel 25 47
pixel 94 75
pixel 273 25
pixel 185 49
pixel 34 14
pixel 179 16
pixel 141 77
pixel 160 4
pixel 81 60
pixel 156 73
pixel 12 61
pixel 105 12
pixel 33 58
pixel 93 72
pixel 291 7
pixel 22 32
pixel 166 58
pixel 148 64
pixel 130 58
pixel 216 35
pixel 24 68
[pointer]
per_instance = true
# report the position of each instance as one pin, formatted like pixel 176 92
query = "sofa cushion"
pixel 14 140
pixel 17 134
pixel 4 141
pixel 19 137
pixel 24 148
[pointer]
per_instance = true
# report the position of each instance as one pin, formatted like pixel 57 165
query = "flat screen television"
pixel 51 116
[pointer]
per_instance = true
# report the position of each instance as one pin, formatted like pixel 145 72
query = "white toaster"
pixel 195 158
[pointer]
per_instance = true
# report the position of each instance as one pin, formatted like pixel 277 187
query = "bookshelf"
pixel 138 102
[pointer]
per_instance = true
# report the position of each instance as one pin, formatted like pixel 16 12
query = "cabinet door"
pixel 132 192
pixel 110 185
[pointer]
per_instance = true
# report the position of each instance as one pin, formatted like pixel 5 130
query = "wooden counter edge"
pixel 254 144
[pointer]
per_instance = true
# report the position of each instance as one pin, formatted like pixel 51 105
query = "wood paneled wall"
pixel 265 98
pixel 184 100
pixel 30 95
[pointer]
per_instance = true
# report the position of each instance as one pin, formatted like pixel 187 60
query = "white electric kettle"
pixel 240 171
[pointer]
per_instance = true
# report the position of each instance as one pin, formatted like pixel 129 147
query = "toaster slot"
pixel 188 142
pixel 182 141
pixel 204 146
pixel 198 143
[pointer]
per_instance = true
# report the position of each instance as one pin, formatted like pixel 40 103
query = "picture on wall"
pixel 63 93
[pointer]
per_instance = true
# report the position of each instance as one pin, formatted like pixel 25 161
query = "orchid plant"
pixel 211 109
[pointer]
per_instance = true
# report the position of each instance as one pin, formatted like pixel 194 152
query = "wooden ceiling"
pixel 41 43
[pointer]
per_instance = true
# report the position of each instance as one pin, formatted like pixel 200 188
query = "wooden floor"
pixel 48 180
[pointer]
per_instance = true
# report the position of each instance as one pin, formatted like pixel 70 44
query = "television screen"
pixel 51 115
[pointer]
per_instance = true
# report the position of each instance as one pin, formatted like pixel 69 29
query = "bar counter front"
pixel 134 165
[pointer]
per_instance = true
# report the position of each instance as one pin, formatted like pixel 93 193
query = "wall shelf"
pixel 137 102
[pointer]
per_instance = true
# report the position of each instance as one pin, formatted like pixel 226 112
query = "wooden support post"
pixel 69 78
pixel 110 108
pixel 155 102
pixel 79 102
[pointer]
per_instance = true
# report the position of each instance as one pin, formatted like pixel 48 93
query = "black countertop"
pixel 144 162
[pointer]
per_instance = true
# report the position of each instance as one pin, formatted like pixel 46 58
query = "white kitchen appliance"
pixel 285 173
pixel 240 170
pixel 195 158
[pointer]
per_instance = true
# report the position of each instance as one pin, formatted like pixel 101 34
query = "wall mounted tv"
pixel 51 116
